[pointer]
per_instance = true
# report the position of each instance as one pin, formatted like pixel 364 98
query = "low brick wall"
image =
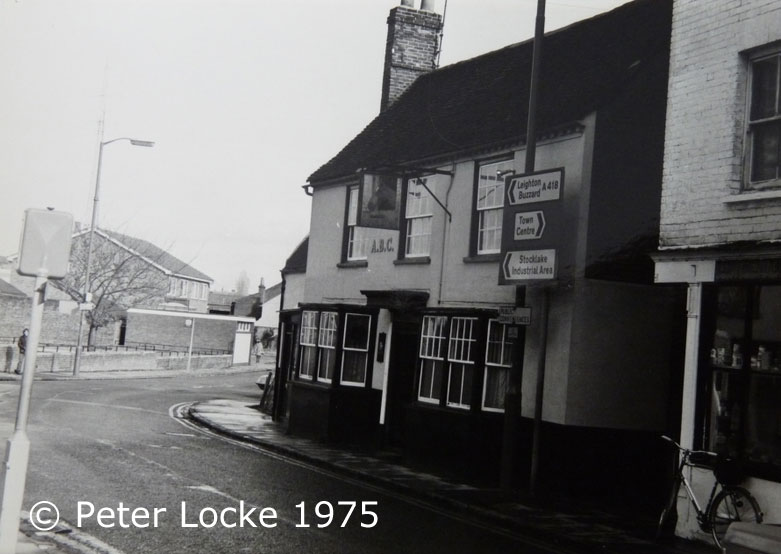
pixel 61 362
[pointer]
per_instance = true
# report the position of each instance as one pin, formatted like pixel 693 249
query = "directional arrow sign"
pixel 535 187
pixel 529 265
pixel 529 225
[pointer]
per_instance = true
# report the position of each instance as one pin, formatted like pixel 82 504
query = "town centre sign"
pixel 532 224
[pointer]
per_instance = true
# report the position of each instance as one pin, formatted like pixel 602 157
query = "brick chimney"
pixel 411 48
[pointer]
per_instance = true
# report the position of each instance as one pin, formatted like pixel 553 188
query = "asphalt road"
pixel 109 454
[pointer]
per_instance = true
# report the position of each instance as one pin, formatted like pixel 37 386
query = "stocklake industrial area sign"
pixel 531 227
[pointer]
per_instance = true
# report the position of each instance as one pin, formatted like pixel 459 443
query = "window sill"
pixel 753 196
pixel 483 259
pixel 422 260
pixel 352 264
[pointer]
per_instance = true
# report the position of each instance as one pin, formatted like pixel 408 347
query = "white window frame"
pixel 418 215
pixel 752 125
pixel 364 349
pixel 356 241
pixel 326 345
pixel 308 342
pixel 432 348
pixel 489 205
pixel 462 345
pixel 504 363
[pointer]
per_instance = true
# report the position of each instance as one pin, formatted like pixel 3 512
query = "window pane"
pixel 418 236
pixel 490 184
pixel 765 160
pixel 418 198
pixel 308 361
pixel 489 231
pixel 327 329
pixel 325 367
pixel 460 385
pixel 497 382
pixel 354 366
pixel 356 244
pixel 356 331
pixel 763 88
pixel 430 380
pixel 352 212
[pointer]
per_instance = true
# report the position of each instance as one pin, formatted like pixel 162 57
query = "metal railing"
pixel 162 349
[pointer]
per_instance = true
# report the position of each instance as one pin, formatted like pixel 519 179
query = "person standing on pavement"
pixel 21 342
pixel 258 349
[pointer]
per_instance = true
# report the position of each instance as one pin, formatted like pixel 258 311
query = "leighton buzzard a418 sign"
pixel 532 220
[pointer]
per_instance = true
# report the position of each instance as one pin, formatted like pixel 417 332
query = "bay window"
pixel 355 349
pixel 498 361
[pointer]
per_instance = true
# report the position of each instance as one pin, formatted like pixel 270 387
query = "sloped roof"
pixel 157 255
pixel 8 289
pixel 296 263
pixel 483 102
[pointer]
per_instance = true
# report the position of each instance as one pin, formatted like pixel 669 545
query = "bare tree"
pixel 119 279
pixel 242 283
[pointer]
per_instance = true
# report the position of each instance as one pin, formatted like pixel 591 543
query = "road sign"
pixel 529 265
pixel 529 225
pixel 515 316
pixel 542 186
pixel 86 306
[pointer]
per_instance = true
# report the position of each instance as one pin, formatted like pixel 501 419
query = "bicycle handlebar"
pixel 687 450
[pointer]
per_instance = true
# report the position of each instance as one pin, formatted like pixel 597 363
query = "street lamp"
pixel 87 294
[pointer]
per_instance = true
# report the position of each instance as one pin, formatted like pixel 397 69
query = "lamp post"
pixel 87 293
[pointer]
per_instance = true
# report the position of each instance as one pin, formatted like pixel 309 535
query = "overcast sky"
pixel 244 99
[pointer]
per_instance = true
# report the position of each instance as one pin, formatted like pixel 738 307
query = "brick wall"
pixel 160 328
pixel 410 50
pixel 705 124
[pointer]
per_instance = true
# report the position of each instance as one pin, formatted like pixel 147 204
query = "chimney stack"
pixel 411 49
pixel 262 292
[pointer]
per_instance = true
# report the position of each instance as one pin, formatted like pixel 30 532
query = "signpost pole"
pixel 531 148
pixel 18 446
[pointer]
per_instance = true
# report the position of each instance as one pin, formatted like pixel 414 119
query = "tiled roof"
pixel 296 263
pixel 482 103
pixel 158 256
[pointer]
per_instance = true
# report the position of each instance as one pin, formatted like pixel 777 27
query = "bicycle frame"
pixel 701 513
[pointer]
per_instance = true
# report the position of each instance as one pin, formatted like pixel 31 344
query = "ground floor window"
pixel 465 361
pixel 742 380
pixel 355 349
pixel 498 361
pixel 335 339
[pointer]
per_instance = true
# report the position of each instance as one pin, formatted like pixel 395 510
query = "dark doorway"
pixel 401 378
pixel 288 348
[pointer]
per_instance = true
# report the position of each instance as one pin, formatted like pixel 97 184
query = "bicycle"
pixel 731 503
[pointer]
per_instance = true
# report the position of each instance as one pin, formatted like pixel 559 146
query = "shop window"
pixel 355 349
pixel 744 412
pixel 356 241
pixel 489 206
pixel 461 354
pixel 327 342
pixel 418 216
pixel 498 361
pixel 764 124
pixel 432 358
pixel 308 344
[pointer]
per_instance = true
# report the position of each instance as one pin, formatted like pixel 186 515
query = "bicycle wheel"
pixel 730 505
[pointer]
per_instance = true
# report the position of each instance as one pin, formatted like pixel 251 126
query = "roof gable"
pixel 483 102
pixel 157 255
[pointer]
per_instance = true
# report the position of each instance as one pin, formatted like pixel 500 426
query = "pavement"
pixel 577 527
pixel 558 521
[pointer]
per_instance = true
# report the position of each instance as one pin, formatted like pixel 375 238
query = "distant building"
pixel 177 285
